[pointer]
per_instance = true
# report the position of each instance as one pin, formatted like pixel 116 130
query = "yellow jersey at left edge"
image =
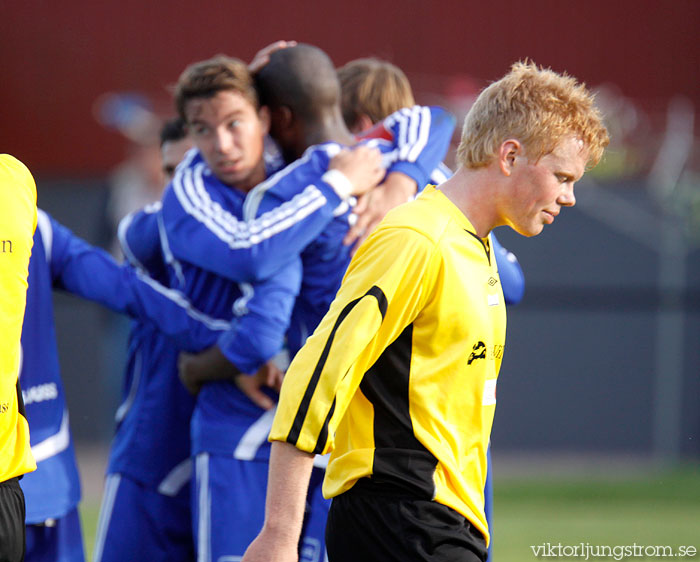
pixel 17 225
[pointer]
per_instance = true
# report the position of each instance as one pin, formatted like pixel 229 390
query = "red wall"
pixel 58 57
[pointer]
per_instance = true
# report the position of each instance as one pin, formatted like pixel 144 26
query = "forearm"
pixel 277 223
pixel 93 275
pixel 288 482
pixel 210 365
pixel 400 187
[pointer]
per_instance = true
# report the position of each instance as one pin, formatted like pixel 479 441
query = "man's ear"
pixel 363 123
pixel 281 118
pixel 509 150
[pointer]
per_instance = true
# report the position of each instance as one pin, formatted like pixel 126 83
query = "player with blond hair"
pixel 373 88
pixel 539 107
pixel 398 382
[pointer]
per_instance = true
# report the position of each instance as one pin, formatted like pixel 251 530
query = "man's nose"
pixel 567 197
pixel 223 141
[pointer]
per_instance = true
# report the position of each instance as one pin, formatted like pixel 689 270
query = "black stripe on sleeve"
pixel 294 432
pixel 323 435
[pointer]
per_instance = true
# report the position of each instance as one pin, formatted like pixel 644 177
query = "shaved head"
pixel 301 78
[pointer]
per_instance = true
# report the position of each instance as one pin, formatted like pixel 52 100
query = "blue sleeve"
pixel 258 332
pixel 139 238
pixel 512 278
pixel 91 273
pixel 280 218
pixel 422 137
pixel 288 211
pixel 440 174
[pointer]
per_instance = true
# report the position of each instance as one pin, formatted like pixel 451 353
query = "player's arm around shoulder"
pixel 421 137
pixel 422 134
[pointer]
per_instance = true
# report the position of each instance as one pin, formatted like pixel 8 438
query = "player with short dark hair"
pixel 209 193
pixel 174 143
pixel 309 126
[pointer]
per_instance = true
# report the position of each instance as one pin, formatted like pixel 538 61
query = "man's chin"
pixel 529 230
pixel 231 177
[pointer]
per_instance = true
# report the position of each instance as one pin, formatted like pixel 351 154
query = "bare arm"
pixel 288 482
pixel 361 166
pixel 212 365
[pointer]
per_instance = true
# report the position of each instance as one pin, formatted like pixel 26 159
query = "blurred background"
pixel 600 375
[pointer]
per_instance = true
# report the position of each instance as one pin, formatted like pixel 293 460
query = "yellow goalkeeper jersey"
pixel 17 224
pixel 398 381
